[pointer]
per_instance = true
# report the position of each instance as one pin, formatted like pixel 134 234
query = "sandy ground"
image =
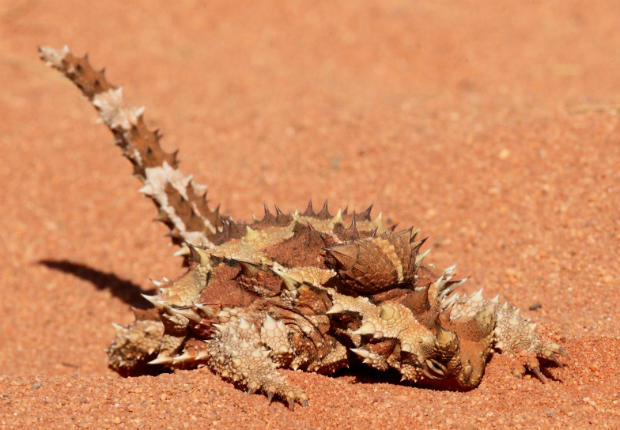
pixel 491 125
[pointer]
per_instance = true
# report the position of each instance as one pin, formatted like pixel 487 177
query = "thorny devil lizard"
pixel 306 291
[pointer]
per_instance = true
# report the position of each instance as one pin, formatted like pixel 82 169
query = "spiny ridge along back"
pixel 310 290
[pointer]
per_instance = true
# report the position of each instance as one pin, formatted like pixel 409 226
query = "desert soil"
pixel 493 126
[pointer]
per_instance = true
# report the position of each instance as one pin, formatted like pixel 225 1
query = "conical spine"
pixel 181 202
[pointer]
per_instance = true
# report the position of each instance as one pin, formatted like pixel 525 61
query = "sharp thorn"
pixel 366 213
pixel 477 296
pixel 309 210
pixel 324 213
pixel 153 299
pixel 198 254
pixel 251 234
pixel 187 313
pixel 289 279
pixel 336 309
pixel 181 252
pixel 420 258
pixel 449 270
pixel 161 360
pixel 361 352
pixel 337 219
pixel 366 328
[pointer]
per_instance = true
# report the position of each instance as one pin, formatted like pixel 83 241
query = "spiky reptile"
pixel 306 291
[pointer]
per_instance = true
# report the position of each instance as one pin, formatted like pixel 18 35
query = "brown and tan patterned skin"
pixel 311 291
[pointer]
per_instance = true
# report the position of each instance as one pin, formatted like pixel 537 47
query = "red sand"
pixel 493 127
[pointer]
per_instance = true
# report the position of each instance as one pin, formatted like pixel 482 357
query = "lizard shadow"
pixel 123 289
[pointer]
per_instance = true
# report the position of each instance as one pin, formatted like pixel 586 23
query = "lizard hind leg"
pixel 238 354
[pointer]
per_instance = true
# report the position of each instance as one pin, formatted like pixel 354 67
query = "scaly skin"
pixel 306 290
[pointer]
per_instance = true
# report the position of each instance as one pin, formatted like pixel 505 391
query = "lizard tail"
pixel 182 203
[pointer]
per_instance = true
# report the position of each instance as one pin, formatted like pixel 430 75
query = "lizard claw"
pixel 537 372
pixel 548 351
pixel 299 397
pixel 556 360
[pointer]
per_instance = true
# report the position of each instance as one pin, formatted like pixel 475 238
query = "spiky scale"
pixel 324 213
pixel 351 233
pixel 267 296
pixel 309 210
pixel 366 214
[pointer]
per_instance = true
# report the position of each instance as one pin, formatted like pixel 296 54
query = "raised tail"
pixel 182 203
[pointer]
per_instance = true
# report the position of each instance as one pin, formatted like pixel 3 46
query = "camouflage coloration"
pixel 311 291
